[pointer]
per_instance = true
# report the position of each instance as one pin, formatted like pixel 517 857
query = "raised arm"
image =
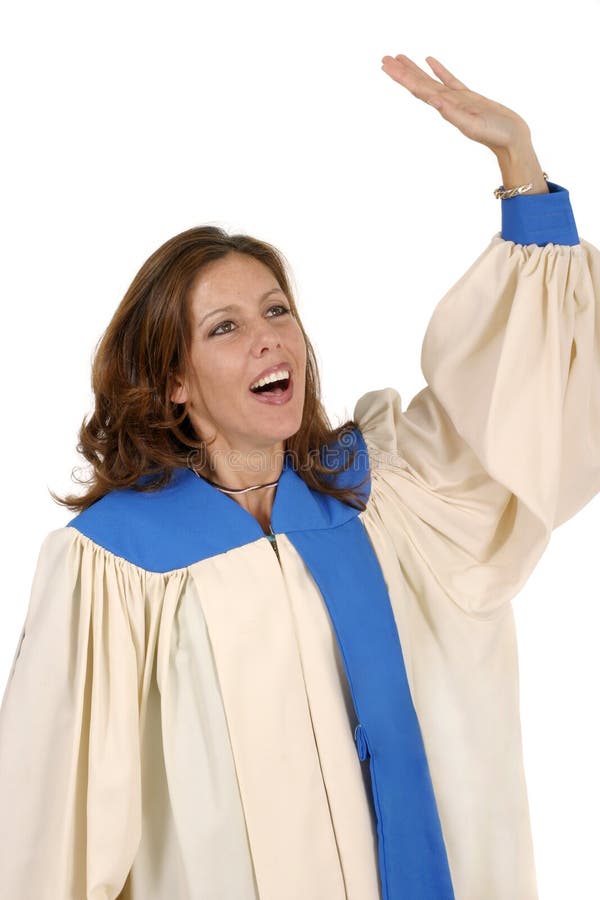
pixel 503 445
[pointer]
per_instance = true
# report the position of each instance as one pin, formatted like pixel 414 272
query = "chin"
pixel 273 424
pixel 281 432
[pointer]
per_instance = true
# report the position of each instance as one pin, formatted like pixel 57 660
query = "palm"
pixel 477 117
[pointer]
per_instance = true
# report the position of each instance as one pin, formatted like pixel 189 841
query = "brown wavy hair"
pixel 135 430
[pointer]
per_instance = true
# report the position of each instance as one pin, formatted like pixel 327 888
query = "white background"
pixel 125 123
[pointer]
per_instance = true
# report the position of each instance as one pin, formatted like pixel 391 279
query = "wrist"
pixel 519 165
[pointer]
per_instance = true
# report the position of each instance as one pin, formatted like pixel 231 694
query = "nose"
pixel 265 337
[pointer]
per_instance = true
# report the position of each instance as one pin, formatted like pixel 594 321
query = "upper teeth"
pixel 275 376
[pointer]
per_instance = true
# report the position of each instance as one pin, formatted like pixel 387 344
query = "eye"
pixel 216 330
pixel 283 310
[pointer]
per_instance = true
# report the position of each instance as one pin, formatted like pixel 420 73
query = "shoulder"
pixel 146 528
pixel 376 414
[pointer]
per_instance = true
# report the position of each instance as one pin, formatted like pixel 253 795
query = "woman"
pixel 271 659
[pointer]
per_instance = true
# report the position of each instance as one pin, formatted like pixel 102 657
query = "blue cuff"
pixel 539 218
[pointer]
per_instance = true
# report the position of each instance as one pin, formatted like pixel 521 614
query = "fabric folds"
pixel 69 732
pixel 503 445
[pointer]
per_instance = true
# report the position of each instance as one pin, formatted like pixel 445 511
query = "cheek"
pixel 216 378
pixel 299 345
pixel 302 355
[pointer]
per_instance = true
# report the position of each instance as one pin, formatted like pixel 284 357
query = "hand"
pixel 478 118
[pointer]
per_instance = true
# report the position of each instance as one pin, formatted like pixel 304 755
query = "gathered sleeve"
pixel 70 789
pixel 503 445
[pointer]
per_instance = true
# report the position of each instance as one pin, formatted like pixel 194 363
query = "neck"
pixel 237 471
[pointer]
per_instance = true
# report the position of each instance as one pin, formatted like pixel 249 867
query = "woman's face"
pixel 230 349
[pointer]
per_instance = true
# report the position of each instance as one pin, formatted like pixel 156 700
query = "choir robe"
pixel 192 716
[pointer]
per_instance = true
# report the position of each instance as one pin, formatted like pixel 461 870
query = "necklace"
pixel 254 487
pixel 225 490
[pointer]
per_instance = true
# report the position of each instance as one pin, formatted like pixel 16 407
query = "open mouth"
pixel 275 388
pixel 275 393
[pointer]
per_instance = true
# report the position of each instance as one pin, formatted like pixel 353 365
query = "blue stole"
pixel 190 520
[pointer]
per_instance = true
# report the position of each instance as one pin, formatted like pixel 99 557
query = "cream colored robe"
pixel 188 734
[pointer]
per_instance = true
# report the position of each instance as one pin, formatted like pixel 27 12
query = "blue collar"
pixel 190 519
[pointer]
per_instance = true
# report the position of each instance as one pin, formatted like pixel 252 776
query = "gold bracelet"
pixel 501 194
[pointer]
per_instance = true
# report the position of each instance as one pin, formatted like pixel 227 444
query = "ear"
pixel 178 391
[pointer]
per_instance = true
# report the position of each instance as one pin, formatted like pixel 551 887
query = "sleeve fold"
pixel 503 444
pixel 70 786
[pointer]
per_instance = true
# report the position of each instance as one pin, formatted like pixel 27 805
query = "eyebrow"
pixel 232 306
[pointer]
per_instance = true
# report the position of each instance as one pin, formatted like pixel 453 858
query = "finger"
pixel 417 72
pixel 415 80
pixel 444 75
